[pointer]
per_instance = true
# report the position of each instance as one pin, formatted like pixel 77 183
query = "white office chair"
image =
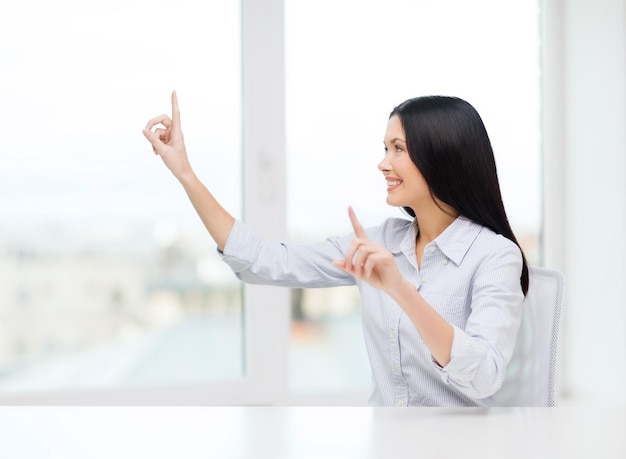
pixel 531 378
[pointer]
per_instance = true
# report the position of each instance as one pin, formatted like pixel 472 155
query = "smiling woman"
pixel 396 49
pixel 438 332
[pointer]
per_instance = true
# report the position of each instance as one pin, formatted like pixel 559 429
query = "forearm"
pixel 167 142
pixel 436 332
pixel 216 219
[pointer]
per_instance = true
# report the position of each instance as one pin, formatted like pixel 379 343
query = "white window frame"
pixel 266 316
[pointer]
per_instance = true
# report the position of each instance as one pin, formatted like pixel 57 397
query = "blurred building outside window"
pixel 107 276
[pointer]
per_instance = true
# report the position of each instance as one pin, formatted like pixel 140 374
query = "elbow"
pixel 481 381
pixel 486 391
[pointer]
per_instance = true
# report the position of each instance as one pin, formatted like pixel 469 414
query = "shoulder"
pixel 492 243
pixel 495 250
pixel 468 243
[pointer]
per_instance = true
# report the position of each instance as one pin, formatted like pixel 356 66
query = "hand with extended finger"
pixel 369 261
pixel 166 136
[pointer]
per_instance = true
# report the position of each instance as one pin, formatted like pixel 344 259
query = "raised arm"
pixel 166 136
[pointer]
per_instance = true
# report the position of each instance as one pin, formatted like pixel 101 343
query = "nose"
pixel 384 165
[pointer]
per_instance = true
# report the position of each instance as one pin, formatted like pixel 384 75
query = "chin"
pixel 394 202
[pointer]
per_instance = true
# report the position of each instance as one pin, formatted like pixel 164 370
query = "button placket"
pixel 394 351
pixel 427 259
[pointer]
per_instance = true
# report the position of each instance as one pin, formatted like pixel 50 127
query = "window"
pixel 109 278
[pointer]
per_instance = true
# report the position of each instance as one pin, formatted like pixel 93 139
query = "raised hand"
pixel 166 136
pixel 369 261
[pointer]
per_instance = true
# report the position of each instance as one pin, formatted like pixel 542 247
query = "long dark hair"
pixel 448 143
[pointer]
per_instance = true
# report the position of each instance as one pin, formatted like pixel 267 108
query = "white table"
pixel 311 432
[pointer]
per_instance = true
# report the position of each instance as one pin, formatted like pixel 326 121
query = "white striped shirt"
pixel 469 275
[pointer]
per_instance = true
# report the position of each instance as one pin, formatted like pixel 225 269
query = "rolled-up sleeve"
pixel 255 260
pixel 482 350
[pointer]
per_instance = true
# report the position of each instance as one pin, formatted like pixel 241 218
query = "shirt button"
pixel 423 280
pixel 395 368
pixel 432 248
pixel 401 402
pixel 445 262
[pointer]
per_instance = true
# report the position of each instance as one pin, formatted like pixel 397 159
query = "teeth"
pixel 393 182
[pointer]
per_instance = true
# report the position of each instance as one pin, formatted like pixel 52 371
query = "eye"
pixel 399 148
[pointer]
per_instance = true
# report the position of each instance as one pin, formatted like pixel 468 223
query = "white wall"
pixel 584 97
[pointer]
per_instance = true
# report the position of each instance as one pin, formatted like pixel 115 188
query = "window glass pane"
pixel 348 64
pixel 108 276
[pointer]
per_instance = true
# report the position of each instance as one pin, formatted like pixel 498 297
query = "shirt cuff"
pixel 466 356
pixel 237 253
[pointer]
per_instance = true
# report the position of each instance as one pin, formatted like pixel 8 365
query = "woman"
pixel 441 294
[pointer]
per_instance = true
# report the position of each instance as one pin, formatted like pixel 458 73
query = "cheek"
pixel 422 182
pixel 417 179
pixel 419 185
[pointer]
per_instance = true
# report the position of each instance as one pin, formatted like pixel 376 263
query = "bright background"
pixel 110 279
pixel 107 278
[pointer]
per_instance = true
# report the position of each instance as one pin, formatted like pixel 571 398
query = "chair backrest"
pixel 531 378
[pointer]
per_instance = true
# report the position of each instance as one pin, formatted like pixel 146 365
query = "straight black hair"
pixel 448 143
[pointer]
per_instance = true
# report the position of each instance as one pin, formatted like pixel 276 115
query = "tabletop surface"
pixel 311 432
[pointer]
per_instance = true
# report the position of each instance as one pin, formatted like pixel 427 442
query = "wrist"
pixel 401 291
pixel 186 177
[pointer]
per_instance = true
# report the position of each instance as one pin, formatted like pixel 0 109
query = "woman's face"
pixel 406 186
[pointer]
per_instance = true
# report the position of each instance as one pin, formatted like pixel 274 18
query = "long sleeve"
pixel 482 349
pixel 255 260
pixel 469 275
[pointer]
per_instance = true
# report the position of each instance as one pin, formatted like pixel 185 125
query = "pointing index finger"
pixel 356 225
pixel 175 110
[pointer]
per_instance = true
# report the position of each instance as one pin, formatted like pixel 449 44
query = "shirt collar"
pixel 457 238
pixel 454 241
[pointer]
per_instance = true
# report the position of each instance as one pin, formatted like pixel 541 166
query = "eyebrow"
pixel 395 139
